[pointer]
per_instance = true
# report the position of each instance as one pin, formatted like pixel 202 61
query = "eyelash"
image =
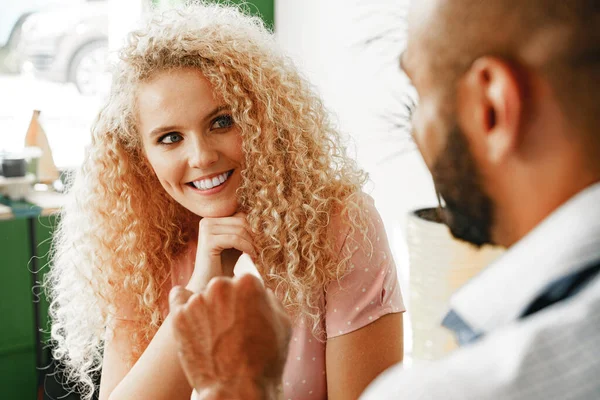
pixel 227 117
pixel 408 106
pixel 166 135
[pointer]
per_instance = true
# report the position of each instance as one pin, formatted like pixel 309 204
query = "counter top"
pixel 40 204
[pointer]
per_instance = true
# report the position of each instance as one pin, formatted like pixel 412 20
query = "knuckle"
pixel 178 296
pixel 205 223
pixel 250 283
pixel 218 285
pixel 195 304
pixel 219 292
pixel 179 319
pixel 176 293
pixel 234 239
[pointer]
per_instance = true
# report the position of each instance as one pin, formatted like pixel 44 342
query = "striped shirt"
pixel 552 354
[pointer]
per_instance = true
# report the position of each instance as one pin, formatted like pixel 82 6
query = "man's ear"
pixel 490 100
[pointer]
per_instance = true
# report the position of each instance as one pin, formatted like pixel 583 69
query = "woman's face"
pixel 191 141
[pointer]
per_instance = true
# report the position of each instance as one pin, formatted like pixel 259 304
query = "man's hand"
pixel 233 338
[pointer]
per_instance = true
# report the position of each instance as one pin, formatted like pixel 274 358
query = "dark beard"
pixel 469 211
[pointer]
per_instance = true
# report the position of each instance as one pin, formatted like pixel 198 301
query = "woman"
pixel 211 145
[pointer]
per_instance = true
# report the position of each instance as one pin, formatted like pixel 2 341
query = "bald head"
pixel 535 32
pixel 558 39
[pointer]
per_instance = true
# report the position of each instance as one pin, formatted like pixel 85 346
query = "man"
pixel 508 123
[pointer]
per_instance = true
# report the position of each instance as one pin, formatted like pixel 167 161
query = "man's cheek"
pixel 427 144
pixel 432 141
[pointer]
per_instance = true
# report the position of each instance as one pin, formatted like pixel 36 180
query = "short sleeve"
pixel 371 289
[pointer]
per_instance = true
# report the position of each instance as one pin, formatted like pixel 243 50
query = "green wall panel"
pixel 18 375
pixel 16 306
pixel 263 8
pixel 44 229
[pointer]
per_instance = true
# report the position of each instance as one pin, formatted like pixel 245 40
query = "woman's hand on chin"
pixel 221 242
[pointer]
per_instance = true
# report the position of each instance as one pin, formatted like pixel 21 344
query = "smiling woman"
pixel 211 145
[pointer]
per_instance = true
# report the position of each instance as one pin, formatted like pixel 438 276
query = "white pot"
pixel 439 265
pixel 16 188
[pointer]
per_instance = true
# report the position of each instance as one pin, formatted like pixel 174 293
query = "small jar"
pixel 14 168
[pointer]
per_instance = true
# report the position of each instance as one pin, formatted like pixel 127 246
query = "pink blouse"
pixel 368 292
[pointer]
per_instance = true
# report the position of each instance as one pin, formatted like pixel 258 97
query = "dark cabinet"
pixel 18 375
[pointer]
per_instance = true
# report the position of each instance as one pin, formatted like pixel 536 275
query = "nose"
pixel 203 154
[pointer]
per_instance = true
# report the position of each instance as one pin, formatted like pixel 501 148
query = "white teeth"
pixel 210 183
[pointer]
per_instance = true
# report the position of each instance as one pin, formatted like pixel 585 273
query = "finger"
pixel 219 301
pixel 195 308
pixel 224 229
pixel 250 286
pixel 178 296
pixel 218 288
pixel 228 241
pixel 244 218
pixel 209 226
pixel 190 320
pixel 239 219
pixel 236 220
pixel 227 229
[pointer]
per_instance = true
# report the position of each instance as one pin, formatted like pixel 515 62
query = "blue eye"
pixel 222 122
pixel 170 138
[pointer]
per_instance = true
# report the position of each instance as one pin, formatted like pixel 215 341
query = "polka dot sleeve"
pixel 370 290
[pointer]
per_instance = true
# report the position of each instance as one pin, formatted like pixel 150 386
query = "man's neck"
pixel 533 205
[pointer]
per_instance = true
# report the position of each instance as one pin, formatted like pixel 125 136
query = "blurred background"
pixel 55 57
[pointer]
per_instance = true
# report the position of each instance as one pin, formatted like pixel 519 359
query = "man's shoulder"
pixel 543 356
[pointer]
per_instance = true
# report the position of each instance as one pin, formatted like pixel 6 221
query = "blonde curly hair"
pixel 120 233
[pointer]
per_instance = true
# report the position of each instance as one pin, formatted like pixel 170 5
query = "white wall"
pixel 123 17
pixel 361 85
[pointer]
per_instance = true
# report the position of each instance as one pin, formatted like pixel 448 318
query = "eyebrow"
pixel 170 128
pixel 216 111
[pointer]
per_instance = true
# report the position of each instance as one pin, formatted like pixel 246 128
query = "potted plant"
pixel 439 265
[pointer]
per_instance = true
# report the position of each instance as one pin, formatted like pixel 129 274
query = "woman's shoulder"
pixel 369 289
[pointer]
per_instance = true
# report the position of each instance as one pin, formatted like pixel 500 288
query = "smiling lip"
pixel 211 184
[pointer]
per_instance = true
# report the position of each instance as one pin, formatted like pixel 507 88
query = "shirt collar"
pixel 564 242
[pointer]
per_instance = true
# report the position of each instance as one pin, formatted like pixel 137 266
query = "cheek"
pixel 234 149
pixel 430 134
pixel 165 167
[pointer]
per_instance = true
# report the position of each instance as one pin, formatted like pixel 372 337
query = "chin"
pixel 468 227
pixel 216 211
